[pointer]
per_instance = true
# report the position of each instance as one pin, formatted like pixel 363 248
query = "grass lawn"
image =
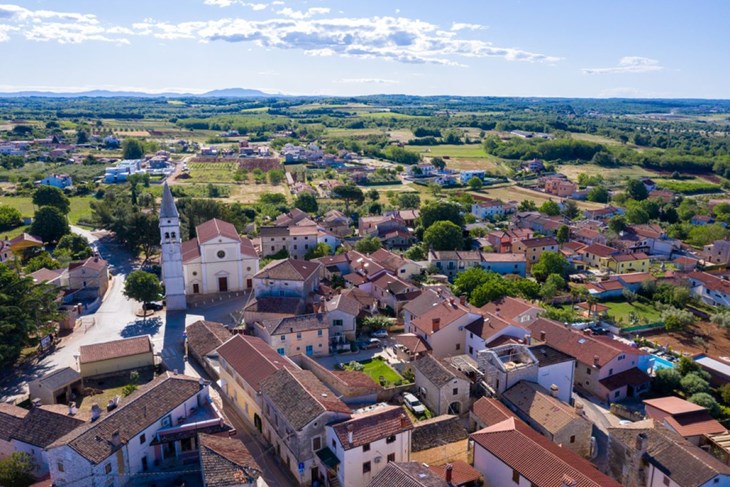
pixel 609 173
pixel 110 388
pixel 377 368
pixel 80 210
pixel 622 310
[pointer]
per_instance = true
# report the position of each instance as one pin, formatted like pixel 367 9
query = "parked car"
pixel 373 343
pixel 154 306
pixel 413 403
pixel 382 333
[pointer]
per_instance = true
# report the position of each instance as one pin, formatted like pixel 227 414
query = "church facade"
pixel 217 260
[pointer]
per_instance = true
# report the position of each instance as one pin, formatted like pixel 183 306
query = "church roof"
pixel 168 208
pixel 190 250
pixel 216 228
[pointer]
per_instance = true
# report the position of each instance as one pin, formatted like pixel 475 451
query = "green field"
pixel 376 368
pixel 80 210
pixel 206 172
pixel 616 174
pixel 463 157
pixel 620 312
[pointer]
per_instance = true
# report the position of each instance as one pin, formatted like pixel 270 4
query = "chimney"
pixel 462 299
pixel 111 405
pixel 116 439
pixel 449 469
pixel 35 403
pixel 95 411
pixel 568 481
pixel 554 390
pixel 452 301
pixel 579 409
pixel 349 433
pixel 436 324
pixel 595 360
pixel 642 443
pixel 528 339
pixel 72 408
pixel 403 421
pixel 542 336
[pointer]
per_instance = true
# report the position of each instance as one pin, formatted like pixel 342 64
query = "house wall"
pixel 116 365
pixel 560 374
pixel 494 470
pixel 294 344
pixel 438 399
pixel 475 343
pixel 451 452
pixel 81 278
pixel 246 401
pixel 291 288
pixel 348 327
pixel 350 470
pixel 449 340
pixel 519 268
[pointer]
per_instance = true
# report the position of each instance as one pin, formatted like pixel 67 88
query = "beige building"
pixel 91 273
pixel 58 387
pixel 115 357
pixel 294 335
pixel 534 247
pixel 296 240
pixel 218 260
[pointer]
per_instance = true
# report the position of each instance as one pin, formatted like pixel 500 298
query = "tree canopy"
pixel 51 196
pixel 49 224
pixel 444 235
pixel 142 286
pixel 435 211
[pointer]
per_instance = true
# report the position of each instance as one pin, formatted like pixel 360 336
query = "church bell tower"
pixel 172 264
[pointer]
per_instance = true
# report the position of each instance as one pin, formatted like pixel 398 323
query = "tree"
pixel 680 297
pixel 415 252
pixel 25 308
pixel 75 246
pixel 552 286
pixel 527 205
pixel 408 200
pixel 51 196
pixel 444 235
pixel 475 183
pixel 276 176
pixel 550 208
pixel 666 381
pixel 706 401
pixel 438 163
pixel 693 383
pixel 16 470
pixel 82 137
pixel 549 263
pixel 570 209
pixel 9 218
pixel 368 245
pixel 49 224
pixel 636 189
pixel 348 193
pixel 373 194
pixel 319 250
pixel 143 286
pixel 603 158
pixel 132 149
pixel 435 211
pixel 40 261
pixel 306 202
pixel 676 319
pixel 563 234
pixel 617 224
pixel 145 233
pixel 637 215
pixel 598 194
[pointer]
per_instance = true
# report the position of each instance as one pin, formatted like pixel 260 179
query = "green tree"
pixel 527 205
pixel 40 261
pixel 435 211
pixel 549 263
pixel 132 149
pixel 348 193
pixel 276 176
pixel 598 194
pixel 636 189
pixel 637 215
pixel 693 383
pixel 563 234
pixel 75 246
pixel 16 470
pixel 617 224
pixel 51 196
pixel 475 183
pixel 570 209
pixel 467 281
pixel 143 286
pixel 438 163
pixel 603 158
pixel 319 250
pixel 706 401
pixel 552 286
pixel 550 208
pixel 676 319
pixel 373 194
pixel 49 224
pixel 666 381
pixel 368 245
pixel 307 202
pixel 82 137
pixel 408 200
pixel 144 234
pixel 444 235
pixel 9 218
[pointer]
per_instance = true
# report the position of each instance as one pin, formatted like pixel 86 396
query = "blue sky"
pixel 575 48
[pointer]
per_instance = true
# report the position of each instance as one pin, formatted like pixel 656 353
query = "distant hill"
pixel 223 93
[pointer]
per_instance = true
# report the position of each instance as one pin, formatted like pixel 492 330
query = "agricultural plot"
pixel 217 172
pixel 464 157
pixel 616 174
pixel 516 193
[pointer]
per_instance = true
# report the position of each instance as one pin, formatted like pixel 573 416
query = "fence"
pixel 642 328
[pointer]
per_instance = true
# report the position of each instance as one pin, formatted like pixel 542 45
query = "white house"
pixel 442 327
pixel 465 176
pixel 60 181
pixel 488 209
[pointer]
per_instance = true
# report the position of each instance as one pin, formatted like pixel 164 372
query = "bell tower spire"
pixel 173 274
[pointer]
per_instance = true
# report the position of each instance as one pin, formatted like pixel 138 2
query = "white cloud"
pixel 393 38
pixel 228 3
pixel 306 14
pixel 368 81
pixel 62 27
pixel 628 64
pixel 457 26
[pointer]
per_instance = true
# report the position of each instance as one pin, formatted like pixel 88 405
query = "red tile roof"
pixel 413 343
pixel 599 250
pixel 445 312
pixel 115 349
pixel 372 426
pixel 461 472
pixel 632 377
pixel 490 411
pixel 190 250
pixel 289 269
pixel 540 242
pixel 509 308
pixel 635 277
pixel 673 405
pixel 695 424
pixel 215 228
pixel 539 460
pixel 253 359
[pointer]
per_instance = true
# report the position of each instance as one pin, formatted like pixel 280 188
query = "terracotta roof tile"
pixel 490 411
pixel 674 405
pixel 461 472
pixel 509 308
pixel 289 270
pixel 253 359
pixel 215 228
pixel 124 347
pixel 205 336
pixel 438 372
pixel 410 474
pixel 226 462
pixel 372 426
pixel 537 403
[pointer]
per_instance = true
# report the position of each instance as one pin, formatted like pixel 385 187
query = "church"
pixel 217 260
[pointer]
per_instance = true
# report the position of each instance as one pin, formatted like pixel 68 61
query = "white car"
pixel 413 403
pixel 382 333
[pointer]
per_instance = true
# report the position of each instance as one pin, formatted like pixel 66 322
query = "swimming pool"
pixel 661 363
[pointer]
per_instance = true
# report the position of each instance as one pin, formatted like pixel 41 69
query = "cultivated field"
pixel 464 157
pixel 609 173
pixel 516 193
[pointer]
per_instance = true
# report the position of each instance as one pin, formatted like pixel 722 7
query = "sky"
pixel 541 48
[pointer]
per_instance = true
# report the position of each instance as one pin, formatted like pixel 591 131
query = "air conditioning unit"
pixel 377 459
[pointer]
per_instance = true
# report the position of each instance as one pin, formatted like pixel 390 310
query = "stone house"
pixel 91 273
pixel 443 388
pixel 439 440
pixel 293 335
pixel 116 356
pixel 57 387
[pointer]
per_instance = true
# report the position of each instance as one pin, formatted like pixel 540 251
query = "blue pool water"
pixel 662 363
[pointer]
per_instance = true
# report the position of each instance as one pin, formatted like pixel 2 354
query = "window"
pixel 59 466
pixel 665 480
pixel 455 391
pixel 366 467
pixel 471 335
pixel 391 457
pixel 366 447
pixel 142 439
pixel 610 371
pixel 166 421
pixel 316 443
pixel 108 468
pixel 588 370
pixel 186 444
pixel 337 323
pixel 319 333
pixel 458 346
pixel 280 351
pixel 471 350
pixel 221 254
pixel 283 338
pixel 334 444
pixel 617 393
pixel 515 476
pixel 390 439
pixel 299 335
pixel 572 439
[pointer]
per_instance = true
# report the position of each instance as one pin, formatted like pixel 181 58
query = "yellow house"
pixel 117 356
pixel 534 247
pixel 623 263
pixel 294 335
pixel 245 361
pixel 598 255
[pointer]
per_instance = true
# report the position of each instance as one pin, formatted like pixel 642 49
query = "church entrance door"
pixel 196 288
pixel 249 283
pixel 222 284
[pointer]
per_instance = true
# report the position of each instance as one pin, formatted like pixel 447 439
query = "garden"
pixel 378 370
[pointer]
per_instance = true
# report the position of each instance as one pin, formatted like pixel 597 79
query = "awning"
pixel 328 457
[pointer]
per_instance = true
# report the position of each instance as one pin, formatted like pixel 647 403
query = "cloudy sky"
pixel 570 48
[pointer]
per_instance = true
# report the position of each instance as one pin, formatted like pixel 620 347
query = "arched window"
pixel 167 235
pixel 173 235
